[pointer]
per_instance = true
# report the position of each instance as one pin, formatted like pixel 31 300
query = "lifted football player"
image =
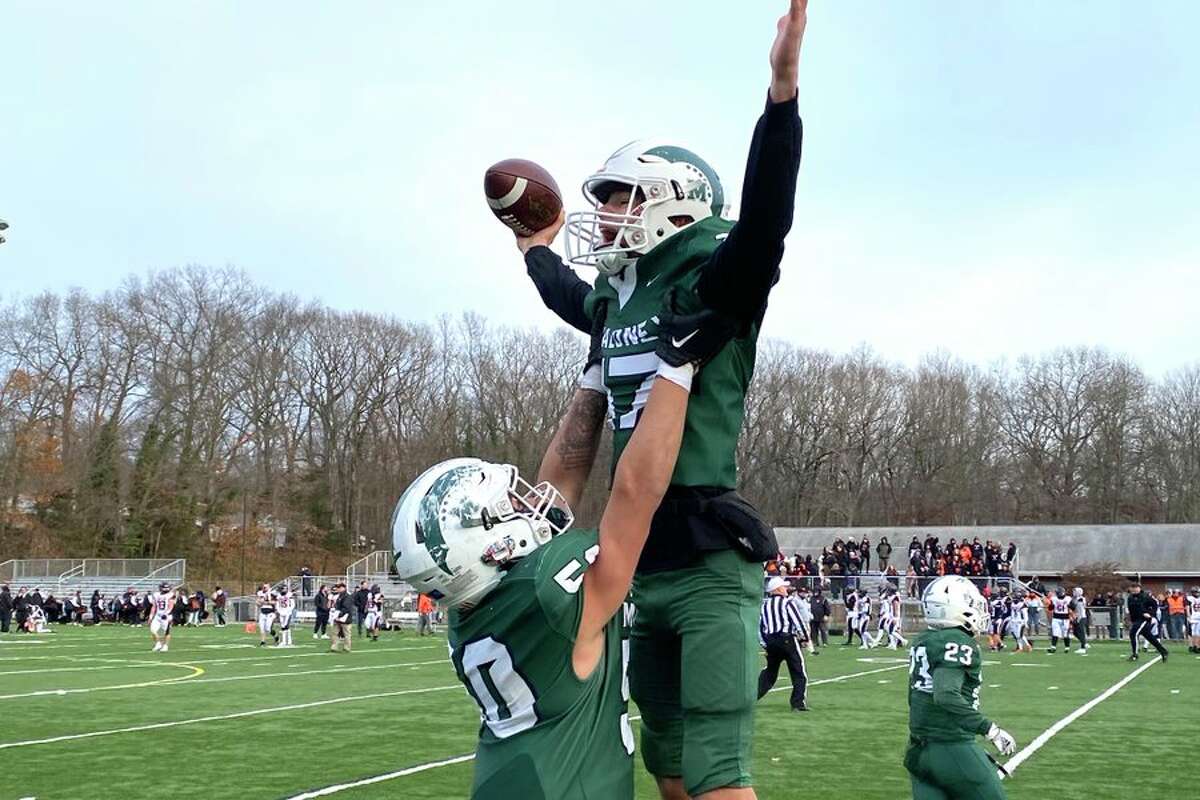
pixel 944 670
pixel 534 629
pixel 656 224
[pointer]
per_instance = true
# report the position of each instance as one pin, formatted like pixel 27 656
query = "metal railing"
pixel 373 568
pixel 908 586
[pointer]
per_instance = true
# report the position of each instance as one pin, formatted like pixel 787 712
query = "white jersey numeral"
pixel 570 577
pixel 918 664
pixel 962 654
pixel 503 695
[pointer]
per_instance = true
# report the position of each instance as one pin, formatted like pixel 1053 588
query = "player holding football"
pixel 943 760
pixel 534 631
pixel 656 225
pixel 161 605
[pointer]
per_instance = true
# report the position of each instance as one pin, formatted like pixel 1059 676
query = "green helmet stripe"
pixel 672 153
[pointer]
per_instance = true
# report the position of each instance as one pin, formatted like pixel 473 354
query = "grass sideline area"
pixel 92 713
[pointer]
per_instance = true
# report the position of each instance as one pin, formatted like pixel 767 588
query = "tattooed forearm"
pixel 579 432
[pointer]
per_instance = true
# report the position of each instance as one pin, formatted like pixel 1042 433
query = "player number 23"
pixel 959 653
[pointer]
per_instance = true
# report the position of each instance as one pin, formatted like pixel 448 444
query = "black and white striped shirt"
pixel 779 616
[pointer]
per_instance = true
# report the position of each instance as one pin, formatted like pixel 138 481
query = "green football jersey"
pixel 545 733
pixel 944 671
pixel 632 302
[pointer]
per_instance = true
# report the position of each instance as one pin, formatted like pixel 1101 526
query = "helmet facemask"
pixel 669 190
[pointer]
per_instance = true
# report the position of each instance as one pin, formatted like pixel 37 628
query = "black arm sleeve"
pixel 561 289
pixel 741 272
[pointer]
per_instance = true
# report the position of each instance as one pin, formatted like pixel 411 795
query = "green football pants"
pixel 693 669
pixel 952 771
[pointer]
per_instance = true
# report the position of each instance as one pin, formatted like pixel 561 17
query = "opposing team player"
pixel 1079 615
pixel 1018 624
pixel 265 599
pixel 945 666
pixel 1060 621
pixel 889 618
pixel 374 612
pixel 534 631
pixel 1193 607
pixel 161 605
pixel 656 224
pixel 285 608
pixel 999 609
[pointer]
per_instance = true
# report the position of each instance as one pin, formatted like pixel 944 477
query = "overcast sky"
pixel 989 179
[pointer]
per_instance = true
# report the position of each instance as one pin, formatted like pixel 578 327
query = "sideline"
pixel 1054 729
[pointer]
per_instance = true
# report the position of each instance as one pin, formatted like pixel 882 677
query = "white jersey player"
pixel 161 606
pixel 1060 621
pixel 285 608
pixel 889 619
pixel 1018 625
pixel 1193 607
pixel 1079 619
pixel 266 614
pixel 862 619
pixel 374 612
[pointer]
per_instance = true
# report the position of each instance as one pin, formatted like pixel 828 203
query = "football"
pixel 522 195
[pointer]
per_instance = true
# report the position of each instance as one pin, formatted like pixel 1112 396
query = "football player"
pixel 1060 621
pixel 161 605
pixel 943 760
pixel 656 224
pixel 285 608
pixel 1018 624
pixel 999 609
pixel 889 618
pixel 265 599
pixel 1193 607
pixel 862 622
pixel 534 629
pixel 374 612
pixel 1079 619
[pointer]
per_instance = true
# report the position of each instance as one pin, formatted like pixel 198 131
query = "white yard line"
pixel 220 717
pixel 141 655
pixel 227 679
pixel 1048 734
pixel 387 776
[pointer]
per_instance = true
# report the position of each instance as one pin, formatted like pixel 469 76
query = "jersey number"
pixel 961 654
pixel 918 664
pixel 503 695
pixel 570 577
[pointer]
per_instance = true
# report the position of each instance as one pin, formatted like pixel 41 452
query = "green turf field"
pixel 92 713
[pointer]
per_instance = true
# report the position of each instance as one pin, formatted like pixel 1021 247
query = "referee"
pixel 780 630
pixel 1142 609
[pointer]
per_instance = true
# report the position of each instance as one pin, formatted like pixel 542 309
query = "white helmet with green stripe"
pixel 669 189
pixel 464 521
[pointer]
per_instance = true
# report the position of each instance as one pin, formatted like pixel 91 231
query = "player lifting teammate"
pixel 534 630
pixel 889 618
pixel 285 608
pixel 1018 623
pixel 945 676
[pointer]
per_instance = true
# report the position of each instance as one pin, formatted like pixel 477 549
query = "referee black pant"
pixel 783 647
pixel 1143 629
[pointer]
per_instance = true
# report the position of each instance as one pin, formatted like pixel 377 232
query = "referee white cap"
pixel 775 583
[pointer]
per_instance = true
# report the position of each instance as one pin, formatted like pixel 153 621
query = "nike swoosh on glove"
pixel 692 338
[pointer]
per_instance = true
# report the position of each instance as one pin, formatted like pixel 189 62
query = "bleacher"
pixel 109 576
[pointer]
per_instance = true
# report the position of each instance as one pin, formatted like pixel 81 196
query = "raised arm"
pixel 561 289
pixel 739 275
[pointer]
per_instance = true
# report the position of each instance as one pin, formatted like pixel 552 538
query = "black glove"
pixel 692 338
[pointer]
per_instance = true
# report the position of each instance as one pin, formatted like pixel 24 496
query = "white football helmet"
pixel 463 521
pixel 669 187
pixel 952 601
